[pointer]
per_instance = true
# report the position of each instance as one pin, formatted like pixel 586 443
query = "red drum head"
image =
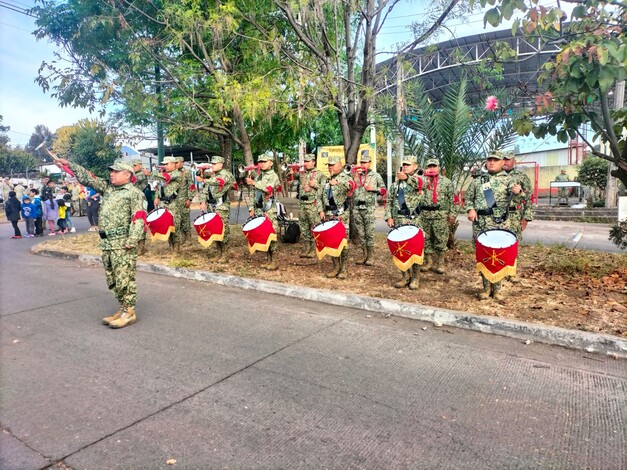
pixel 259 233
pixel 406 243
pixel 161 224
pixel 210 228
pixel 330 238
pixel 496 252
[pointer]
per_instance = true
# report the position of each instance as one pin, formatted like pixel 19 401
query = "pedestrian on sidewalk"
pixel 12 209
pixel 51 213
pixel 39 212
pixel 93 209
pixel 28 214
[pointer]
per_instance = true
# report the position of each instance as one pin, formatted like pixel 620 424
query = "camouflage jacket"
pixel 216 189
pixel 310 186
pixel 266 186
pixel 526 210
pixel 188 185
pixel 336 198
pixel 170 186
pixel 445 193
pixel 362 197
pixel 501 184
pixel 141 180
pixel 410 191
pixel 122 211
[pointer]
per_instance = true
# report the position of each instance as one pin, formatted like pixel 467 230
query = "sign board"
pixel 336 151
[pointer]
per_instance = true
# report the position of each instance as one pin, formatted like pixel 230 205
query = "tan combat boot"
pixel 312 250
pixel 127 318
pixel 496 291
pixel 343 261
pixel 364 250
pixel 141 247
pixel 218 253
pixel 115 316
pixel 413 278
pixel 336 268
pixel 439 263
pixel 306 250
pixel 224 256
pixel 427 264
pixel 370 257
pixel 272 265
pixel 403 282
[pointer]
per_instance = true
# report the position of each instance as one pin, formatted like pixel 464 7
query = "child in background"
pixel 28 214
pixel 51 213
pixel 61 222
pixel 39 212
pixel 13 209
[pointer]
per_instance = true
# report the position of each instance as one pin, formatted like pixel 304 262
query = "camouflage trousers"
pixel 176 237
pixel 308 218
pixel 186 224
pixel 225 215
pixel 515 224
pixel 436 231
pixel 120 268
pixel 364 225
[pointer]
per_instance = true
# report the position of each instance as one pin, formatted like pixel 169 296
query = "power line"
pixel 15 27
pixel 17 9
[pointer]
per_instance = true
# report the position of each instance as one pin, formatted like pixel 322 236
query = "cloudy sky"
pixel 24 105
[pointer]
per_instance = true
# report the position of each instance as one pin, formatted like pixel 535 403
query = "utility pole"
pixel 612 189
pixel 160 109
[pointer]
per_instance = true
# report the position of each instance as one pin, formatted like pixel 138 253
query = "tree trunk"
pixel 245 140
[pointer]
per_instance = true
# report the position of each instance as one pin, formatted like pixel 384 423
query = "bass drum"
pixel 259 233
pixel 496 251
pixel 330 238
pixel 161 224
pixel 210 228
pixel 406 243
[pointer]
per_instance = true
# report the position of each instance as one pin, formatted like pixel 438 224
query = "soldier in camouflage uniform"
pixel 437 214
pixel 335 204
pixel 523 213
pixel 369 185
pixel 184 199
pixel 122 219
pixel 403 207
pixel 498 184
pixel 141 180
pixel 171 183
pixel 266 185
pixel 215 196
pixel 562 193
pixel 310 184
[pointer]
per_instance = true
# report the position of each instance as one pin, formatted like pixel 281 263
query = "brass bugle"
pixel 348 168
pixel 247 169
pixel 293 166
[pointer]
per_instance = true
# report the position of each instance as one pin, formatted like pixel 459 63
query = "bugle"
pixel 292 166
pixel 247 170
pixel 204 168
pixel 348 168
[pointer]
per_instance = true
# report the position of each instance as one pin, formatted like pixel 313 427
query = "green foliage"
pixel 593 172
pixel 16 161
pixel 618 235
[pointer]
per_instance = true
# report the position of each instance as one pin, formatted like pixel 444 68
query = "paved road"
pixel 217 379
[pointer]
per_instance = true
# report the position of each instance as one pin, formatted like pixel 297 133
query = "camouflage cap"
pixel 136 161
pixel 217 159
pixel 432 161
pixel 309 157
pixel 333 159
pixel 169 160
pixel 496 154
pixel 509 155
pixel 179 159
pixel 409 159
pixel 265 157
pixel 121 165
pixel 365 157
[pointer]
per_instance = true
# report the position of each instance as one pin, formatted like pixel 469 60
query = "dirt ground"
pixel 573 289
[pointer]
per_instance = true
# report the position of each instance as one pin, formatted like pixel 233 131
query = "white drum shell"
pixel 403 233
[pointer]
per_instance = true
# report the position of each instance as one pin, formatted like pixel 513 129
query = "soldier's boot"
pixel 364 250
pixel 485 291
pixel 439 263
pixel 218 253
pixel 306 250
pixel 370 258
pixel 175 247
pixel 312 250
pixel 403 282
pixel 413 278
pixel 343 262
pixel 427 264
pixel 496 291
pixel 128 317
pixel 513 279
pixel 336 268
pixel 273 264
pixel 141 247
pixel 115 316
pixel 224 256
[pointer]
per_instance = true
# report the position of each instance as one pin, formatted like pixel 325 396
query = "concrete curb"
pixel 590 342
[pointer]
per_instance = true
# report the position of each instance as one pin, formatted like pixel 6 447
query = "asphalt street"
pixel 220 378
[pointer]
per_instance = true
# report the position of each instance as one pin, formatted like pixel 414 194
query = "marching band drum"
pixel 406 243
pixel 259 233
pixel 496 253
pixel 161 224
pixel 330 238
pixel 210 228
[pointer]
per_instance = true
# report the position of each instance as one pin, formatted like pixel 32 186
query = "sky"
pixel 24 105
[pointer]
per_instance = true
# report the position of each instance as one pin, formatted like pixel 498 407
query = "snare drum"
pixel 259 233
pixel 496 252
pixel 330 238
pixel 210 228
pixel 406 243
pixel 161 224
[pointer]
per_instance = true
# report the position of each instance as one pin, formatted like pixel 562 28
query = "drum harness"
pixel 332 207
pixel 489 197
pixel 402 204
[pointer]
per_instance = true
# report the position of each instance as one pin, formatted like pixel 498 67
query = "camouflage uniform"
pixel 140 183
pixel 266 186
pixel 501 184
pixel 364 208
pixel 524 211
pixel 434 215
pixel 121 225
pixel 168 196
pixel 216 195
pixel 562 193
pixel 186 193
pixel 402 205
pixel 310 185
pixel 336 204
